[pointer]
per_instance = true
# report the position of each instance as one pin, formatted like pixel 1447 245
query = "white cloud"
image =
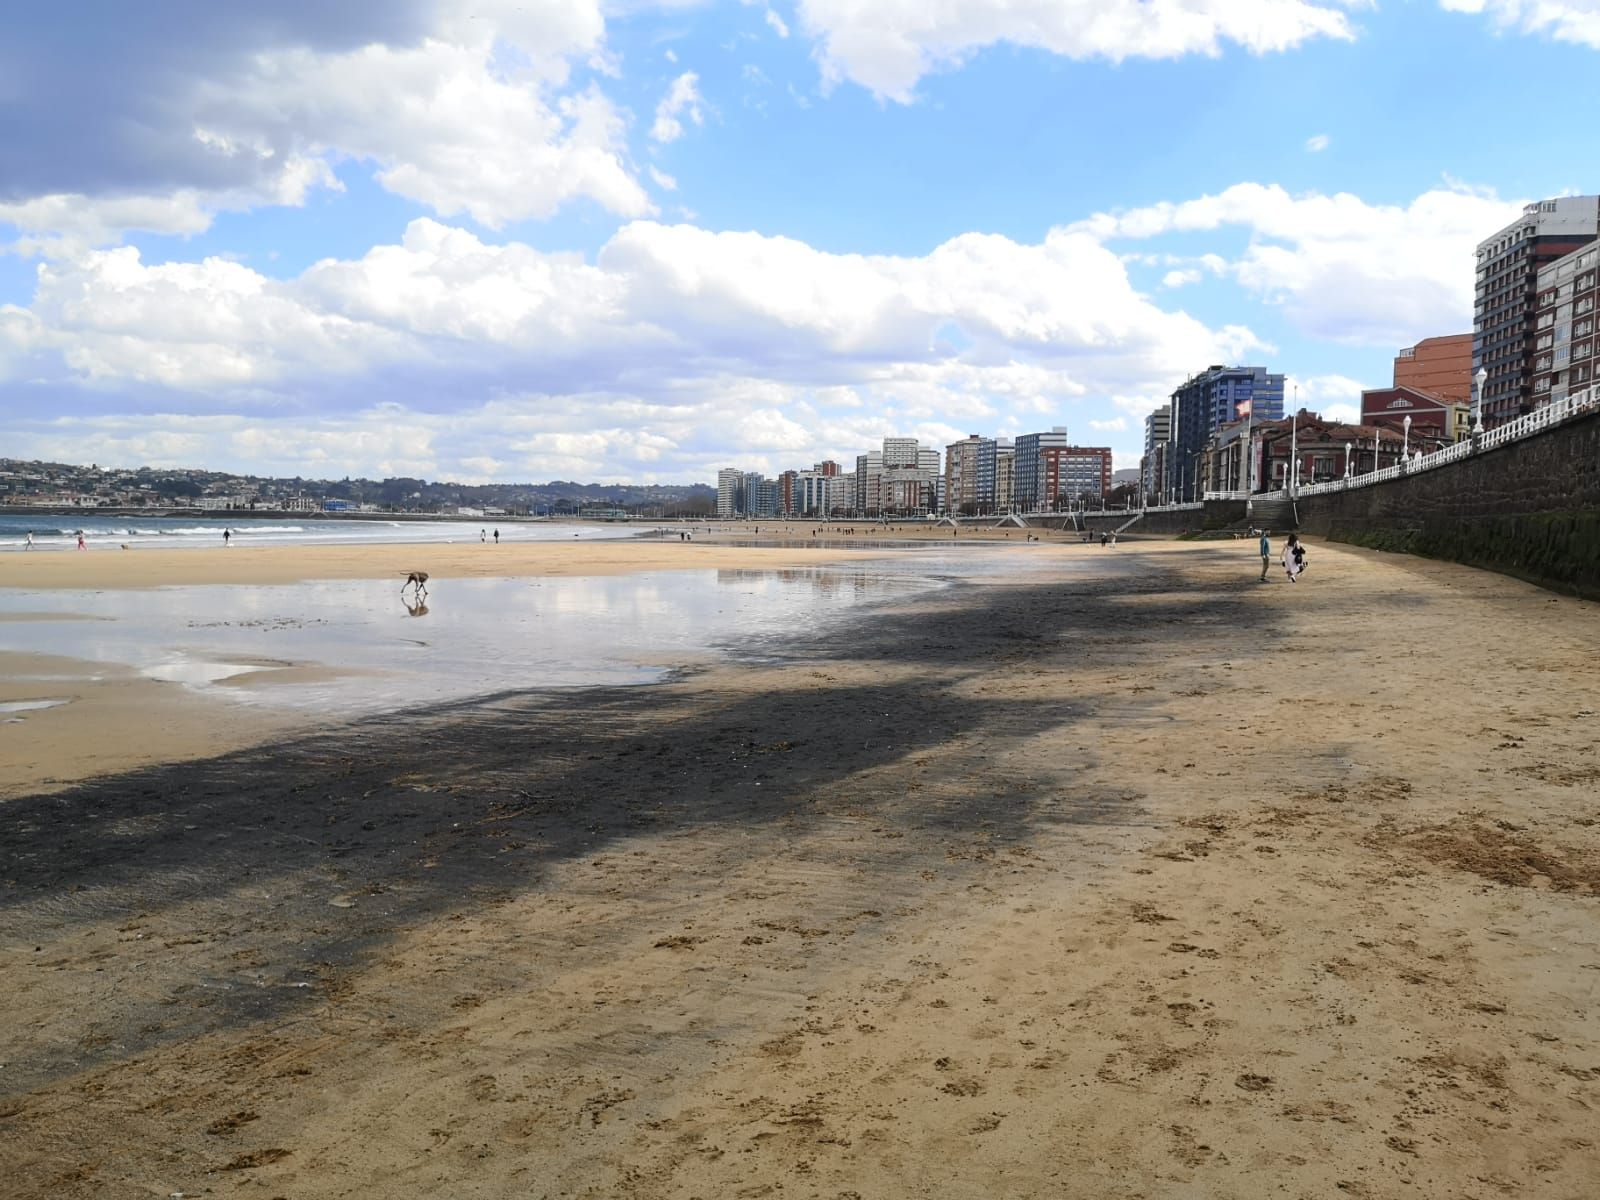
pixel 1317 143
pixel 1113 425
pixel 1576 21
pixel 888 45
pixel 662 180
pixel 673 348
pixel 444 127
pixel 1181 277
pixel 1340 267
pixel 461 105
pixel 681 101
pixel 777 24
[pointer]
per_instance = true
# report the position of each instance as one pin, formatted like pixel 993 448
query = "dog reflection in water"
pixel 417 603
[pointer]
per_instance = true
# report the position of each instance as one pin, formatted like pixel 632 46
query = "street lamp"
pixel 1347 446
pixel 1477 400
pixel 1405 442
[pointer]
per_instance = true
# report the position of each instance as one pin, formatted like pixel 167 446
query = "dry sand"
pixel 1162 884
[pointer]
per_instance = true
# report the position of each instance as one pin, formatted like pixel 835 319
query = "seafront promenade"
pixel 1136 879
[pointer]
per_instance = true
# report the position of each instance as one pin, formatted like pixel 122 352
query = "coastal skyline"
pixel 493 242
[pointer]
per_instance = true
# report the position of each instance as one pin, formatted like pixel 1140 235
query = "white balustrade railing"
pixel 1527 425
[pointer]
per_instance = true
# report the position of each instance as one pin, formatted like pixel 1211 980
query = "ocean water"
pixel 53 531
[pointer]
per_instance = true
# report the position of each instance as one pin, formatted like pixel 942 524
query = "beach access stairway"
pixel 1271 512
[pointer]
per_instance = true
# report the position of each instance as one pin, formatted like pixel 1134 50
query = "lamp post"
pixel 1405 442
pixel 1477 402
pixel 1292 475
pixel 1347 446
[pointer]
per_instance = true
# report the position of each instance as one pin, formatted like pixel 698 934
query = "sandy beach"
pixel 106 567
pixel 1147 881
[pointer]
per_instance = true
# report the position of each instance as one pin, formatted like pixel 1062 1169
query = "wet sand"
pixel 107 567
pixel 1159 884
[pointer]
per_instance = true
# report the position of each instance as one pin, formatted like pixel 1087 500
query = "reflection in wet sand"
pixel 341 645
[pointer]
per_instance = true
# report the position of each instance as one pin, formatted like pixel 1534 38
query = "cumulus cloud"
pixel 889 45
pixel 662 180
pixel 673 347
pixel 1341 268
pixel 1576 21
pixel 777 24
pixel 682 102
pixel 460 105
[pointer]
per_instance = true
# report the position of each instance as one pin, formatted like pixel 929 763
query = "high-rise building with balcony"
pixel 899 452
pixel 1504 334
pixel 1153 466
pixel 1564 325
pixel 1005 463
pixel 730 492
pixel 1204 403
pixel 1085 471
pixel 1037 470
pixel 961 476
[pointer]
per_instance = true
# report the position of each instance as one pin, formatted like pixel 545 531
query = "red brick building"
pixel 1440 366
pixel 1433 418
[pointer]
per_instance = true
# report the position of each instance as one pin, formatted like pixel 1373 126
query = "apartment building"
pixel 1440 366
pixel 961 475
pixel 730 492
pixel 1084 471
pixel 1153 465
pixel 1207 401
pixel 1564 325
pixel 1506 299
pixel 1038 469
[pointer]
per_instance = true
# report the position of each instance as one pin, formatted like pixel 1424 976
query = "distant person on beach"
pixel 227 536
pixel 496 537
pixel 483 535
pixel 1266 554
pixel 82 545
pixel 29 544
pixel 1294 558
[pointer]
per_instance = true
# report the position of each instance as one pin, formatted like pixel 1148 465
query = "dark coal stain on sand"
pixel 307 858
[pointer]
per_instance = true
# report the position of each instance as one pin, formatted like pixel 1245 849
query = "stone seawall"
pixel 1529 509
pixel 1217 514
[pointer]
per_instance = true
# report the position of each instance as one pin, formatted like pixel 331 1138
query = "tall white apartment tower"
pixel 899 452
pixel 729 482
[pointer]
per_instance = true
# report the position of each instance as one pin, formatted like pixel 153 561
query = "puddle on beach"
pixel 368 649
pixel 10 709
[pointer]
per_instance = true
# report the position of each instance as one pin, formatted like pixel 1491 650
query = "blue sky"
pixel 521 240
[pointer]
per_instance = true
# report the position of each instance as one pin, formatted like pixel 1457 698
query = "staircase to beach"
pixel 1274 510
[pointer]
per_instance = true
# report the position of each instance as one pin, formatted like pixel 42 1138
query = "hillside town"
pixel 45 485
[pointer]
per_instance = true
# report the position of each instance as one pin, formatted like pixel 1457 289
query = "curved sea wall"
pixel 1530 508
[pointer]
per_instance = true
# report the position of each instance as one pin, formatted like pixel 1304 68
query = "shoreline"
pixel 1001 889
pixel 245 565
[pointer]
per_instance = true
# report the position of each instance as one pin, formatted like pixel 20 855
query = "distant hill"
pixel 19 479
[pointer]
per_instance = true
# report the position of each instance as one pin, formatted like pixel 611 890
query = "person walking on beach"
pixel 483 535
pixel 496 537
pixel 1294 558
pixel 28 545
pixel 1266 554
pixel 227 536
pixel 82 545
